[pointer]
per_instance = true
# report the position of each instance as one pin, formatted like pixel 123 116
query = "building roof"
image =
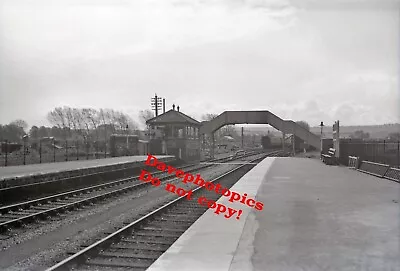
pixel 173 116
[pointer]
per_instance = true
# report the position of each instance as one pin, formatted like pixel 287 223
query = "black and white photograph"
pixel 202 135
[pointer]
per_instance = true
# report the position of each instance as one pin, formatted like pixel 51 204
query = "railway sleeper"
pixel 166 232
pixel 130 254
pixel 152 247
pixel 11 216
pixel 145 240
pixel 157 234
pixel 187 205
pixel 191 212
pixel 174 229
pixel 160 219
pixel 40 208
pixel 25 212
pixel 182 225
pixel 187 210
pixel 188 216
pixel 107 262
pixel 51 205
pixel 88 267
pixel 80 197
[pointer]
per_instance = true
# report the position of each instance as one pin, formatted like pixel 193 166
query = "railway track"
pixel 42 208
pixel 137 245
pixel 25 192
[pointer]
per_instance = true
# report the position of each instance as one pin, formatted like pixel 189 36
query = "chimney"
pixel 173 107
pixel 178 108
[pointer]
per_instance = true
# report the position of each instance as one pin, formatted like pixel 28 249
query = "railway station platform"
pixel 315 217
pixel 20 175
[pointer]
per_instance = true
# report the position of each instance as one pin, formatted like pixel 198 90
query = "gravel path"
pixel 41 245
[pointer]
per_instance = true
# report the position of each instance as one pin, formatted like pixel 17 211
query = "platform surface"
pixel 315 217
pixel 33 169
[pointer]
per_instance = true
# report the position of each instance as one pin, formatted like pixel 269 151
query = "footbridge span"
pixel 260 117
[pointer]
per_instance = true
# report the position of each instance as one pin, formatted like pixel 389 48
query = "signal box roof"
pixel 173 117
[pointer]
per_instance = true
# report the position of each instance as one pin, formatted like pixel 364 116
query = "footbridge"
pixel 260 117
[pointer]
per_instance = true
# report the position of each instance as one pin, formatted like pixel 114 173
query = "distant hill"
pixel 375 131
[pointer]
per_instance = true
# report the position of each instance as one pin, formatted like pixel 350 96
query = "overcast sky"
pixel 302 60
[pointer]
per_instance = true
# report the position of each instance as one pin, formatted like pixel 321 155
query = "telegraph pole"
pixel 156 100
pixel 163 101
pixel 156 104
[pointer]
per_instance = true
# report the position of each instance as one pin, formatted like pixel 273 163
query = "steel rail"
pixel 81 256
pixel 68 206
pixel 22 205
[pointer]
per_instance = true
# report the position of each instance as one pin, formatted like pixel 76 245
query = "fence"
pixel 59 151
pixel 374 151
pixel 376 169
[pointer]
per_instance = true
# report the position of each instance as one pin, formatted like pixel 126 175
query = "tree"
pixel 229 130
pixel 34 132
pixel 132 124
pixel 20 123
pixel 11 132
pixel 69 116
pixel 57 117
pixel 303 124
pixel 209 116
pixel 145 115
pixel 56 131
pixel 43 132
pixel 91 120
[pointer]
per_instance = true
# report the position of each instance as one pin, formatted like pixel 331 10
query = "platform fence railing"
pixel 376 169
pixel 377 151
pixel 40 151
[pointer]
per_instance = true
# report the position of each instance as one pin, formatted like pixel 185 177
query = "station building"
pixel 174 133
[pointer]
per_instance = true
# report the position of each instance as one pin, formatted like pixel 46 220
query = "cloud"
pixel 110 30
pixel 207 56
pixel 365 97
pixel 346 4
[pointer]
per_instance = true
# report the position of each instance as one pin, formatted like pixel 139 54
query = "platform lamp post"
pixel 6 147
pixel 321 125
pixel 105 142
pixel 40 150
pixel 24 139
pixel 77 150
pixel 66 150
pixel 54 148
pixel 127 140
